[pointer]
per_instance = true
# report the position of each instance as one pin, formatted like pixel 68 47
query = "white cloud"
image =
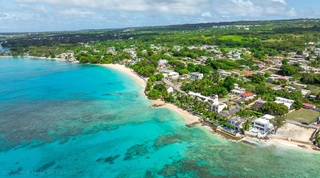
pixel 60 14
pixel 253 9
pixel 292 12
pixel 280 1
pixel 76 12
pixel 3 16
pixel 167 6
pixel 206 14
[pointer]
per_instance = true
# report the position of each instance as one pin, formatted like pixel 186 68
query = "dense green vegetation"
pixel 233 48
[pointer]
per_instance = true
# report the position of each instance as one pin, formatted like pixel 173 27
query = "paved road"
pixel 298 123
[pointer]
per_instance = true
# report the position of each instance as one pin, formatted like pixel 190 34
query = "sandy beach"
pixel 188 117
pixel 293 136
pixel 293 145
pixel 127 71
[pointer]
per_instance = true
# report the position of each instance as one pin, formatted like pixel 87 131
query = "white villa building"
pixel 262 126
pixel 267 117
pixel 285 101
pixel 215 104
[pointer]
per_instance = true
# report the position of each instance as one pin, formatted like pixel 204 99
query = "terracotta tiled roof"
pixel 247 94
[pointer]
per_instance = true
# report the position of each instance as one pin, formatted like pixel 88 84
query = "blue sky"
pixel 58 15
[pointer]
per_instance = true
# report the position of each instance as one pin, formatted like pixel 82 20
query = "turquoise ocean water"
pixel 62 119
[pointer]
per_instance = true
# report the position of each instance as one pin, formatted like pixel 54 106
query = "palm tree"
pixel 246 125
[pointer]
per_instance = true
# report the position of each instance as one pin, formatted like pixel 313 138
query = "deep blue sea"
pixel 62 119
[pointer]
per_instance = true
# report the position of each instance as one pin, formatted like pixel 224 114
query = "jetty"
pixel 193 124
pixel 156 105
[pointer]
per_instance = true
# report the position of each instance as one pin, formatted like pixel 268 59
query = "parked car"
pixel 304 123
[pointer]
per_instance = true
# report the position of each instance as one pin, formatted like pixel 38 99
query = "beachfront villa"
pixel 217 106
pixel 214 101
pixel 262 125
pixel 237 122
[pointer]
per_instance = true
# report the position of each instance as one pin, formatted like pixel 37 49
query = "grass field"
pixel 231 37
pixel 304 115
pixel 272 40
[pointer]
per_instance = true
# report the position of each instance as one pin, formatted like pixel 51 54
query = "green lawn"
pixel 272 40
pixel 231 37
pixel 304 115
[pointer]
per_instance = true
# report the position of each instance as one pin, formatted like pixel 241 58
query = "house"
pixel 276 88
pixel 247 95
pixel 267 117
pixel 285 101
pixel 312 97
pixel 224 73
pixel 237 91
pixel 237 122
pixel 305 92
pixel 259 103
pixel 196 76
pixel 263 126
pixel 184 76
pixel 169 89
pixel 245 67
pixel 165 72
pixel 248 75
pixel 299 85
pixel 173 75
pixel 162 62
pixel 308 106
pixel 228 113
pixel 290 88
pixel 220 107
pixel 273 78
pixel 71 59
pixel 217 106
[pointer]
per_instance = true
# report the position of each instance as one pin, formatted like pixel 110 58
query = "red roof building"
pixel 248 75
pixel 246 95
pixel 308 106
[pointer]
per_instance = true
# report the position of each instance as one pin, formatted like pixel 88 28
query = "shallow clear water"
pixel 65 120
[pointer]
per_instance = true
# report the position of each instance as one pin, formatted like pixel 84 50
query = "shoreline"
pixel 293 145
pixel 42 58
pixel 187 116
pixel 190 118
pixel 123 69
